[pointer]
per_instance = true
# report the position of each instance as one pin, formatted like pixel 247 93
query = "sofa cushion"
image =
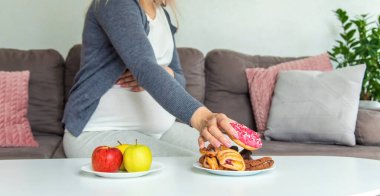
pixel 226 82
pixel 48 145
pixel 262 82
pixel 192 61
pixel 15 129
pixel 368 127
pixel 315 106
pixel 45 86
pixel 193 66
pixel 71 68
pixel 279 148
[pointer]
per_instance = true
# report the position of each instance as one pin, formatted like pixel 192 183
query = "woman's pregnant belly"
pixel 121 109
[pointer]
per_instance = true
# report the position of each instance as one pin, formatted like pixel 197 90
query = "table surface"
pixel 294 175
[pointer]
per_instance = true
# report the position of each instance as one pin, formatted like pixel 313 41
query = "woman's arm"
pixel 127 80
pixel 175 65
pixel 122 22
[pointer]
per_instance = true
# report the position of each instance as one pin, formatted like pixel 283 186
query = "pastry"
pixel 231 159
pixel 210 151
pixel 224 158
pixel 221 148
pixel 201 159
pixel 247 138
pixel 259 164
pixel 210 163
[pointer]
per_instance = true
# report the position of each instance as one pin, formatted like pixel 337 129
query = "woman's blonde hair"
pixel 172 5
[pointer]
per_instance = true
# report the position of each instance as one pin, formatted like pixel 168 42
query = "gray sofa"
pixel 45 100
pixel 217 80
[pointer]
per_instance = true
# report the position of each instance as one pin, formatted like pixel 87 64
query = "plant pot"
pixel 369 105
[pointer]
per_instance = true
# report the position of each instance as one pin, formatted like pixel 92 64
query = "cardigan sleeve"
pixel 175 65
pixel 121 20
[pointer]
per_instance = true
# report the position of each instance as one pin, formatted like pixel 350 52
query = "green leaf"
pixel 344 36
pixel 342 15
pixel 347 26
pixel 336 50
pixel 339 42
pixel 351 34
pixel 353 44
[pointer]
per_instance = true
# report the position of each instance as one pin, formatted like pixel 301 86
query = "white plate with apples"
pixel 156 166
pixel 122 161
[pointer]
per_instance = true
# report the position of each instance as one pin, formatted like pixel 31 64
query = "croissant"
pixel 231 159
pixel 210 163
pixel 210 151
pixel 201 159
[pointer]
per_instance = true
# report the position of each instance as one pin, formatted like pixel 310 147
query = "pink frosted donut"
pixel 248 139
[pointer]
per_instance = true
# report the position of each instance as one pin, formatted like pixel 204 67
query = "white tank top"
pixel 121 109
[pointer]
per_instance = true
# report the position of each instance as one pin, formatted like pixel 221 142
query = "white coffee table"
pixel 292 176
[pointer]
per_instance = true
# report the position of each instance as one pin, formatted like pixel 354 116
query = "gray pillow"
pixel 316 107
pixel 226 82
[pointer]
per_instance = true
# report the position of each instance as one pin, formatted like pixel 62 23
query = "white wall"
pixel 271 27
pixel 29 24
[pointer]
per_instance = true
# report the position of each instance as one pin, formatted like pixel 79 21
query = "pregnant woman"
pixel 130 85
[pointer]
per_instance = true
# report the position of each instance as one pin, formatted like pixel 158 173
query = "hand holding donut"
pixel 246 138
pixel 213 130
pixel 216 124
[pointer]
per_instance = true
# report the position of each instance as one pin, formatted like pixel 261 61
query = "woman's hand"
pixel 211 127
pixel 127 80
pixel 169 70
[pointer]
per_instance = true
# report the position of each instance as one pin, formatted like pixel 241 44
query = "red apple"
pixel 106 159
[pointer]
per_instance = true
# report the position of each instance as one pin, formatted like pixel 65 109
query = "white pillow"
pixel 316 107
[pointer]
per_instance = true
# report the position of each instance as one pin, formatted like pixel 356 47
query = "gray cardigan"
pixel 115 39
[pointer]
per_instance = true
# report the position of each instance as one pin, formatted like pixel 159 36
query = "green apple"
pixel 137 158
pixel 122 148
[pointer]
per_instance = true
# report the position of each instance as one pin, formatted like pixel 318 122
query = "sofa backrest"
pixel 45 86
pixel 193 66
pixel 226 82
pixel 192 61
pixel 71 68
pixel 218 81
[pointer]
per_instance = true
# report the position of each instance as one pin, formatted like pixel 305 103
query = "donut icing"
pixel 247 136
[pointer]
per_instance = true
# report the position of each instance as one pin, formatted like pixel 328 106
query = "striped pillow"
pixel 15 129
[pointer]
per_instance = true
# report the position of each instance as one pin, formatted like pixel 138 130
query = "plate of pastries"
pixel 230 162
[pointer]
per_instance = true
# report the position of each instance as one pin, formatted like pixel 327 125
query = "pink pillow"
pixel 15 129
pixel 262 82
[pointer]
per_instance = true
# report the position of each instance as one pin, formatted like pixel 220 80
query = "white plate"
pixel 156 166
pixel 232 173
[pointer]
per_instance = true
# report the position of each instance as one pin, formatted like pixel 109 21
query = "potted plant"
pixel 360 44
